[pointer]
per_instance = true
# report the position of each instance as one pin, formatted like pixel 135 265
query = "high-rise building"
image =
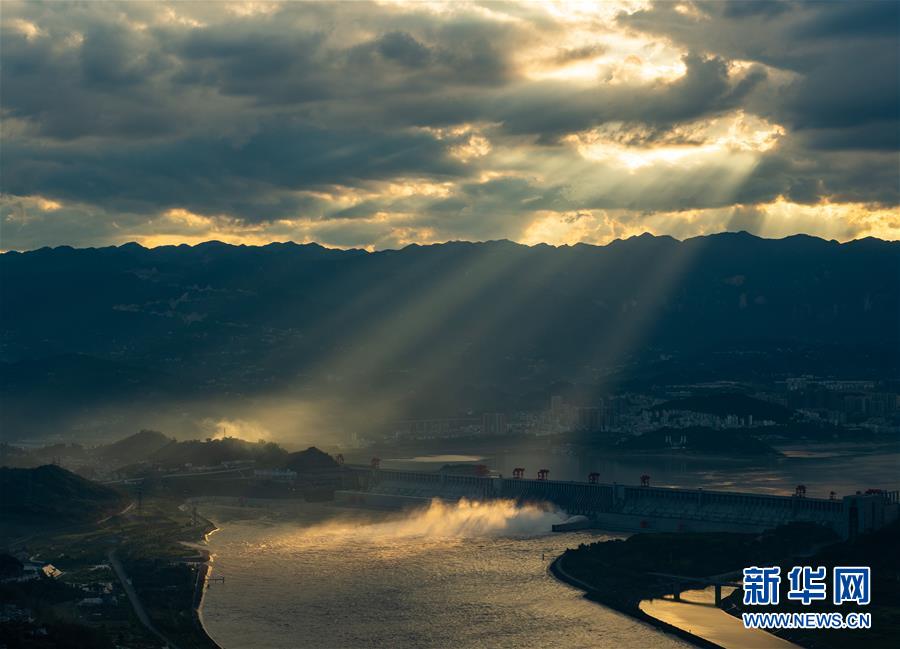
pixel 493 423
pixel 590 418
pixel 557 405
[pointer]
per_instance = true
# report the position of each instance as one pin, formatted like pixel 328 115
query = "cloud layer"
pixel 381 124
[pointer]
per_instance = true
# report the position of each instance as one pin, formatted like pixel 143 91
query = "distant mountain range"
pixel 429 330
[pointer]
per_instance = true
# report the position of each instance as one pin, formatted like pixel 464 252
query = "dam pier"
pixel 627 508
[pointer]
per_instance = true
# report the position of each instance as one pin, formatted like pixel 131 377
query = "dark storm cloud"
pixel 123 81
pixel 290 60
pixel 866 19
pixel 214 175
pixel 143 107
pixel 766 8
pixel 580 53
pixel 803 177
pixel 551 109
pixel 843 58
pixel 266 66
pixel 404 49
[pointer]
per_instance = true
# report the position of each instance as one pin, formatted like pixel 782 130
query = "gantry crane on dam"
pixel 624 507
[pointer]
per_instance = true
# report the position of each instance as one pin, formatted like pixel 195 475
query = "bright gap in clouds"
pixel 709 141
pixel 422 122
pixel 778 219
pixel 593 48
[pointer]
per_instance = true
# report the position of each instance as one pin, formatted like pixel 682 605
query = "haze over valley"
pixel 304 344
pixel 409 324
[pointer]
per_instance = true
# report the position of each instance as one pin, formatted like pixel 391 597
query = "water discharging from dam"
pixel 443 521
pixel 463 576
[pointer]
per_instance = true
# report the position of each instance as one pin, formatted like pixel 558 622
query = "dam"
pixel 628 508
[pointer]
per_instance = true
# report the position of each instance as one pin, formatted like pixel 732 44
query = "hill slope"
pixel 725 404
pixel 134 448
pixel 52 495
pixel 215 451
pixel 431 330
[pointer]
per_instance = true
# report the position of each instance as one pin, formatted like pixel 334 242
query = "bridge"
pixel 679 583
pixel 628 507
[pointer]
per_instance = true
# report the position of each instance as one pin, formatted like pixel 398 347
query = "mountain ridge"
pixel 419 326
pixel 131 245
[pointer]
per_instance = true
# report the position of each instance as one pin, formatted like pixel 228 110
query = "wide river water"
pixel 471 576
pixel 449 577
pixel 843 468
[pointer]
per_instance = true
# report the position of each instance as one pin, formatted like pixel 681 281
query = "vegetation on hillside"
pixel 134 447
pixel 312 459
pixel 723 404
pixel 731 441
pixel 618 570
pixel 877 550
pixel 212 452
pixel 53 495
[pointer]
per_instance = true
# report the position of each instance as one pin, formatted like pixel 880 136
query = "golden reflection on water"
pixel 466 576
pixel 697 614
pixel 439 525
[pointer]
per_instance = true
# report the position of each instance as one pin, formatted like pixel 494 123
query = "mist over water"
pixel 440 520
pixel 453 576
pixel 445 576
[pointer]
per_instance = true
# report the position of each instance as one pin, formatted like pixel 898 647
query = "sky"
pixel 376 125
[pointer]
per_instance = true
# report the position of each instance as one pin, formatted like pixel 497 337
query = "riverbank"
pixel 592 593
pixel 132 579
pixel 227 509
pixel 620 574
pixel 161 548
pixel 203 573
pixel 878 551
pixel 432 579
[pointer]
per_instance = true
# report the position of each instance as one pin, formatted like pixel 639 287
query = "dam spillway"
pixel 629 507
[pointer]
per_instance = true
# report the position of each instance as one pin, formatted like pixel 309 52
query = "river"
pixel 450 577
pixel 842 468
pixel 461 578
pixel 698 614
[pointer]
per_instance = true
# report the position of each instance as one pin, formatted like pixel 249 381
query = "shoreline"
pixel 196 615
pixel 590 592
pixel 203 573
pixel 555 568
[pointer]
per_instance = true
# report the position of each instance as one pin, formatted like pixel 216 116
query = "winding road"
pixel 139 609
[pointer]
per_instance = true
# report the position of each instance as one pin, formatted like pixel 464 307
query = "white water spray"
pixel 471 518
pixel 438 522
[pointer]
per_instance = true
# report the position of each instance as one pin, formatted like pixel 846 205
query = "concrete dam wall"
pixel 628 507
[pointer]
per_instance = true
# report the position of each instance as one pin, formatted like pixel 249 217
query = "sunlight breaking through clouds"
pixel 596 49
pixel 719 141
pixel 780 218
pixel 380 124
